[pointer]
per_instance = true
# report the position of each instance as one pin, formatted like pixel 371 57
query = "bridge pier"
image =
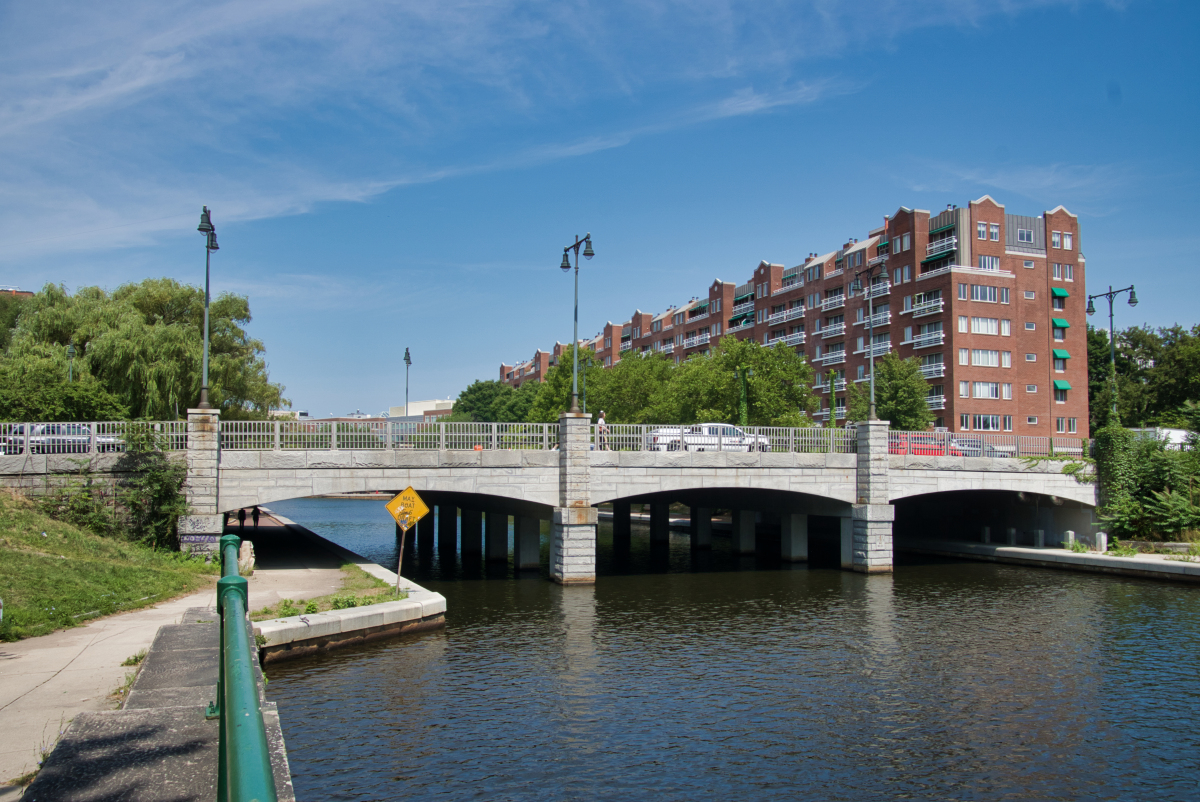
pixel 527 543
pixel 742 532
pixel 573 531
pixel 700 527
pixel 472 533
pixel 447 527
pixel 622 526
pixel 203 482
pixel 793 530
pixel 660 522
pixel 497 537
pixel 873 515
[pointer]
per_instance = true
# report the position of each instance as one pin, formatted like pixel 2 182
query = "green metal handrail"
pixel 244 759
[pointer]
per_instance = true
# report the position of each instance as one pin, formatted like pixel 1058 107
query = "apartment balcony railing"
pixel 877 260
pixel 788 285
pixel 839 386
pixel 839 413
pixel 879 288
pixel 933 371
pixel 748 323
pixel 747 306
pixel 942 246
pixel 796 338
pixel 928 308
pixel 833 358
pixel 835 272
pixel 877 319
pixel 878 349
pixel 820 387
pixel 692 342
pixel 929 340
pixel 822 413
pixel 669 348
pixel 786 315
pixel 625 346
pixel 935 401
pixel 836 330
pixel 700 316
pixel 835 302
pixel 979 271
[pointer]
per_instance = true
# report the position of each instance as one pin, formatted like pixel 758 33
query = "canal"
pixel 737 679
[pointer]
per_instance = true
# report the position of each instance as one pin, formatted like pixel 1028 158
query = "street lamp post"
pixel 210 245
pixel 407 365
pixel 857 286
pixel 588 253
pixel 1111 295
pixel 71 361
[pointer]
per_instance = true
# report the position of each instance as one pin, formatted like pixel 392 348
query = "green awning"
pixel 883 244
pixel 1059 384
pixel 699 308
pixel 736 319
pixel 946 227
pixel 944 255
pixel 1059 323
pixel 1059 292
pixel 738 298
pixel 1061 353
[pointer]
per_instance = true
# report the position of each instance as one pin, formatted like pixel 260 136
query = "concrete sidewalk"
pixel 45 682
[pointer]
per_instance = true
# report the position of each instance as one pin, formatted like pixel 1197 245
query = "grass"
pixel 1078 547
pixel 358 589
pixel 136 659
pixel 54 575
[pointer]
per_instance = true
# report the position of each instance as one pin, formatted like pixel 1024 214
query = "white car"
pixel 705 437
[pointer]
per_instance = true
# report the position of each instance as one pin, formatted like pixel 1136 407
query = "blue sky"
pixel 385 175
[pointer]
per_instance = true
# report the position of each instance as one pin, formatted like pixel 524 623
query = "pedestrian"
pixel 602 432
pixel 254 514
pixel 242 519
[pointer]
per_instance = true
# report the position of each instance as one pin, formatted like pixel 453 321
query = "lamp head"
pixel 71 349
pixel 1132 296
pixel 588 253
pixel 206 226
pixel 1091 307
pixel 566 262
pixel 407 358
pixel 212 241
pixel 856 286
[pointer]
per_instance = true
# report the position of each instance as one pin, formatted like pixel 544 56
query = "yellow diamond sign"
pixel 407 508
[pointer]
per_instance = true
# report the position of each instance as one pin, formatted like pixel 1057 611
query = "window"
pixel 983 325
pixel 1072 426
pixel 985 423
pixel 1006 359
pixel 1060 366
pixel 907 273
pixel 1059 334
pixel 907 303
pixel 995 232
pixel 1006 391
pixel 1029 264
pixel 908 334
pixel 1030 295
pixel 980 292
pixel 962 292
pixel 964 356
pixel 1005 328
pixel 1031 357
pixel 1008 423
pixel 964 422
pixel 862 372
pixel 718 328
pixel 1055 239
pixel 1030 327
pixel 1068 239
pixel 989 262
pixel 1060 396
pixel 1031 420
pixel 1031 388
pixel 984 358
pixel 1060 425
pixel 986 390
pixel 907 242
pixel 981 230
pixel 637 332
pixel 1068 272
pixel 608 361
pixel 896 274
pixel 1058 271
pixel 962 323
pixel 608 342
pixel 716 305
pixel 1058 303
pixel 964 389
pixel 1004 295
pixel 1025 235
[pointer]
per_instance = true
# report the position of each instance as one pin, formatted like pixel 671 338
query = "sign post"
pixel 407 508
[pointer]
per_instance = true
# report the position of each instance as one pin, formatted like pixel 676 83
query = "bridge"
pixel 875 482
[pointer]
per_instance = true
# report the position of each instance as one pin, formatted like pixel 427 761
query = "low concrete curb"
pixel 1144 566
pixel 303 635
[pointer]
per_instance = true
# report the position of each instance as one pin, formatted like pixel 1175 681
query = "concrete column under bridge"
pixel 573 530
pixel 873 514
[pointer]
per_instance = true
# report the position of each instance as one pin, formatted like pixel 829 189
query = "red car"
pixel 923 444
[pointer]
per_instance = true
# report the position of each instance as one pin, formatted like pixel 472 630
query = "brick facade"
pixel 977 294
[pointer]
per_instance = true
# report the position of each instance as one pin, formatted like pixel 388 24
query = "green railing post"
pixel 230 544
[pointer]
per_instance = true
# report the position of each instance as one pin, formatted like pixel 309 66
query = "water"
pixel 946 680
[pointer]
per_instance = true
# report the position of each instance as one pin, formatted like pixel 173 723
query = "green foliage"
pixel 900 392
pixel 35 388
pixel 623 391
pixel 343 602
pixel 554 393
pixel 143 344
pixel 1146 489
pixel 1172 513
pixel 10 310
pixel 1157 373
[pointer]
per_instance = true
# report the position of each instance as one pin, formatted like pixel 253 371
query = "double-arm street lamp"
pixel 407 365
pixel 855 287
pixel 1111 295
pixel 210 245
pixel 588 253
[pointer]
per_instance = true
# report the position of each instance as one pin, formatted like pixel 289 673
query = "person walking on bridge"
pixel 254 514
pixel 601 433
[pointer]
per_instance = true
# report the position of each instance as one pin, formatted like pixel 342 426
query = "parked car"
pixel 922 444
pixel 978 447
pixel 59 438
pixel 705 437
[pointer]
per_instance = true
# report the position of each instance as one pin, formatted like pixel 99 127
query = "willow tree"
pixel 143 343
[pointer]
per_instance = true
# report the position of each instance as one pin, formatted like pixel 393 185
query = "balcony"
pixel 933 338
pixel 837 271
pixel 928 308
pixel 832 358
pixel 669 348
pixel 839 386
pixel 836 330
pixel 786 315
pixel 839 413
pixel 748 323
pixel 821 413
pixel 796 338
pixel 935 401
pixel 977 271
pixel 625 346
pixel 820 388
pixel 878 349
pixel 794 283
pixel 879 288
pixel 692 342
pixel 877 260
pixel 942 246
pixel 836 302
pixel 742 308
pixel 933 371
pixel 700 316
pixel 877 319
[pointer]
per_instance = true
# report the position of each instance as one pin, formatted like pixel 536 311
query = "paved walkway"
pixel 46 681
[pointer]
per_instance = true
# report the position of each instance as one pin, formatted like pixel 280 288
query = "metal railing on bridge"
pixel 103 437
pixel 724 437
pixel 389 435
pixel 972 444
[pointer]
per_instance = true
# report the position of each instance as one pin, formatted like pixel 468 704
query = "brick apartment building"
pixel 991 303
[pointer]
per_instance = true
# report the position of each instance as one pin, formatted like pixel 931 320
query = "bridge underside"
pixel 994 516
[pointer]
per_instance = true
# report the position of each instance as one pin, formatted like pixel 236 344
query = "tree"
pixel 477 401
pixel 625 391
pixel 1175 377
pixel 143 343
pixel 554 393
pixel 900 392
pixel 10 309
pixel 35 389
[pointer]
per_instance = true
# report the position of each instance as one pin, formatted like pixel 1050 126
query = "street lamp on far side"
pixel 1112 334
pixel 210 245
pixel 407 365
pixel 588 253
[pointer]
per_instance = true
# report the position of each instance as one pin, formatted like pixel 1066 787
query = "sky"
pixel 391 175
